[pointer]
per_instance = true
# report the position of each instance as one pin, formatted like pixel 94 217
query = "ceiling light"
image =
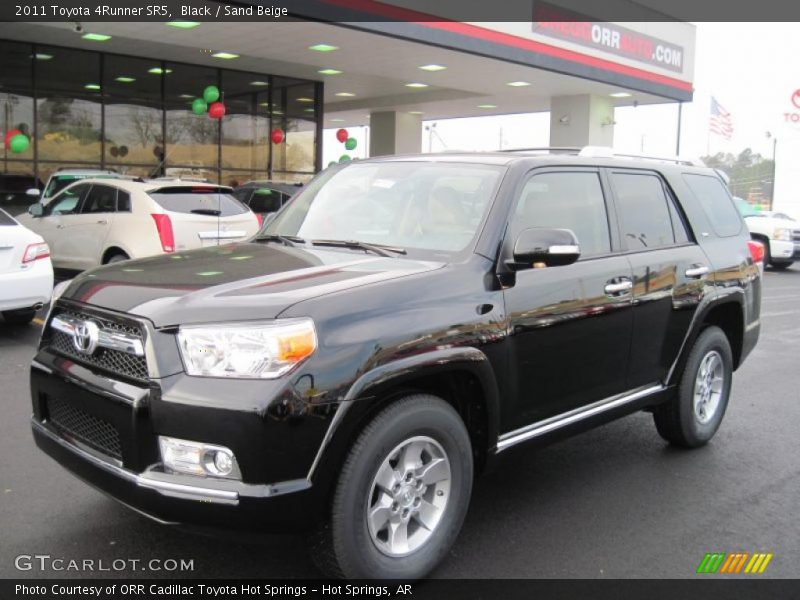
pixel 309 110
pixel 518 84
pixel 159 71
pixel 42 56
pixel 416 112
pixel 345 94
pixel 185 96
pixel 487 105
pixel 432 68
pixel 225 55
pixel 337 120
pixel 277 112
pixel 124 79
pixel 323 48
pixel 329 72
pixel 263 103
pixel 416 85
pixel 183 24
pixel 620 95
pixel 92 86
pixel 304 99
pixel 96 37
pixel 259 83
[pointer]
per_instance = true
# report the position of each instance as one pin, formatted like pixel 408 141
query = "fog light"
pixel 196 458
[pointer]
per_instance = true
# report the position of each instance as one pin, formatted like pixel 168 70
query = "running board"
pixel 540 428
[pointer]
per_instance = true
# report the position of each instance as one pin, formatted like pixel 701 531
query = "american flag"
pixel 720 121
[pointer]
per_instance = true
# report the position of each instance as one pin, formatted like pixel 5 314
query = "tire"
pixel 347 546
pixel 119 257
pixel 780 266
pixel 683 422
pixel 19 317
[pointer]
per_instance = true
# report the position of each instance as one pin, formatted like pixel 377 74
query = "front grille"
pixel 92 431
pixel 796 235
pixel 113 361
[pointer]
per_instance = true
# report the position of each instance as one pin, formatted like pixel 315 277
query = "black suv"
pixel 397 326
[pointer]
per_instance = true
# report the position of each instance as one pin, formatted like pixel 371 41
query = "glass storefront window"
pixel 16 104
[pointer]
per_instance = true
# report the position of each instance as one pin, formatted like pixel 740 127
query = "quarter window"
pixel 565 200
pixel 643 211
pixel 716 202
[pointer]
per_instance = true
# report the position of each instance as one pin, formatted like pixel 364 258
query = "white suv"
pixel 98 221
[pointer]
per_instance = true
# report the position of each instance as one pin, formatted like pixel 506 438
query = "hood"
pixel 234 282
pixel 769 224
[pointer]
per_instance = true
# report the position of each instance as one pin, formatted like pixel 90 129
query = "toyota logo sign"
pixel 85 337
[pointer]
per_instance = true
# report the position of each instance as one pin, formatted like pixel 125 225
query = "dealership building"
pixel 119 94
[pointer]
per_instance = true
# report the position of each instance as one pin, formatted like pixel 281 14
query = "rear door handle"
pixel 59 227
pixel 102 222
pixel 696 271
pixel 617 288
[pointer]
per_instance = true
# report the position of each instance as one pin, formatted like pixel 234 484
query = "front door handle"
pixel 102 222
pixel 59 227
pixel 617 288
pixel 696 271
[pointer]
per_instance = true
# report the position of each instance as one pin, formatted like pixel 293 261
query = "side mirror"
pixel 36 210
pixel 34 192
pixel 550 247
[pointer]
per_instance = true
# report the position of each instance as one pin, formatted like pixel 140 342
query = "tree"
pixel 750 173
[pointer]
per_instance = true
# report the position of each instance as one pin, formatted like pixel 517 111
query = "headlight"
pixel 247 350
pixel 782 234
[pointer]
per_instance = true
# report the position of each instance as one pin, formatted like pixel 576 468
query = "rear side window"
pixel 198 201
pixel 716 202
pixel 266 201
pixel 100 199
pixel 643 211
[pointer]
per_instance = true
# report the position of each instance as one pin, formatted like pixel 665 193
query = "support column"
pixel 584 120
pixel 392 132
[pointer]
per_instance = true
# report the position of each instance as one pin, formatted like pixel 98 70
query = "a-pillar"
pixel 584 120
pixel 392 132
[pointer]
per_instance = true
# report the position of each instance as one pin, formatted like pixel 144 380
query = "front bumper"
pixel 783 251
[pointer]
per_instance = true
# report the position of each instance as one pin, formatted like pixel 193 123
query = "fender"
pixel 370 385
pixel 718 298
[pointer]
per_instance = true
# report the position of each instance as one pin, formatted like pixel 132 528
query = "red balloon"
pixel 10 134
pixel 276 136
pixel 216 110
pixel 342 135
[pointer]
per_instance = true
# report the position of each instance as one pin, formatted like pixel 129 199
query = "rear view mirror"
pixel 36 210
pixel 33 192
pixel 549 247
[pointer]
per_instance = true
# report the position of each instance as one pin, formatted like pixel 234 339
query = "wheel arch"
pixel 111 251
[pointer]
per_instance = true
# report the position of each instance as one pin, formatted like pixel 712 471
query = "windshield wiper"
pixel 206 211
pixel 288 240
pixel 379 249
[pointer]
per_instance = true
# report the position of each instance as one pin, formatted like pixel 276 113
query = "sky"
pixel 750 68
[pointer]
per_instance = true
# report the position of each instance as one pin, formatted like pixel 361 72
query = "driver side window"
pixel 67 202
pixel 565 200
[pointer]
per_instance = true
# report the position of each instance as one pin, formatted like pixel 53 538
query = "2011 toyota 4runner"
pixel 396 327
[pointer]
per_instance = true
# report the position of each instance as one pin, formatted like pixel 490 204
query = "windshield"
pixel 746 209
pixel 422 205
pixel 59 182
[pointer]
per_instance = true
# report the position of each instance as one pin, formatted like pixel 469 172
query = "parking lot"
pixel 616 502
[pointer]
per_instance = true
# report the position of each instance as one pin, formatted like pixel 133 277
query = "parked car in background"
pixel 14 192
pixel 64 177
pixel 266 197
pixel 26 274
pixel 777 215
pixel 779 234
pixel 99 221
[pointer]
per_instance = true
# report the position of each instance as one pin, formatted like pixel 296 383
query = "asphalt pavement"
pixel 616 502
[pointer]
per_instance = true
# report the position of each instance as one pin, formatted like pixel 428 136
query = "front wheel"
pixel 402 494
pixel 691 418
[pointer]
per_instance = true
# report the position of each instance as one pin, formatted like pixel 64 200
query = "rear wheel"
pixel 402 495
pixel 118 257
pixel 691 418
pixel 19 317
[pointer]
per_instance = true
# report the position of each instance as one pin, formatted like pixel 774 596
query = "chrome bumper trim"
pixel 179 486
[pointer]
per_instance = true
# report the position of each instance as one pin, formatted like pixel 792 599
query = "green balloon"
pixel 350 143
pixel 211 94
pixel 19 143
pixel 344 158
pixel 199 106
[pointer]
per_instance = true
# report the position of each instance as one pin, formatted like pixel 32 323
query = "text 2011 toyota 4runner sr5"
pixel 394 328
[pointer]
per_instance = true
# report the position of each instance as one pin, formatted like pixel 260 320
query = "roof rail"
pixel 551 149
pixel 608 152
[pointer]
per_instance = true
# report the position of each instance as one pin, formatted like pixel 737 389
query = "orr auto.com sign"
pixel 556 22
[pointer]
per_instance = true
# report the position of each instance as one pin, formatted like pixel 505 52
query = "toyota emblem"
pixel 85 337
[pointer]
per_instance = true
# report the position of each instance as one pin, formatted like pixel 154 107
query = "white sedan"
pixel 26 273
